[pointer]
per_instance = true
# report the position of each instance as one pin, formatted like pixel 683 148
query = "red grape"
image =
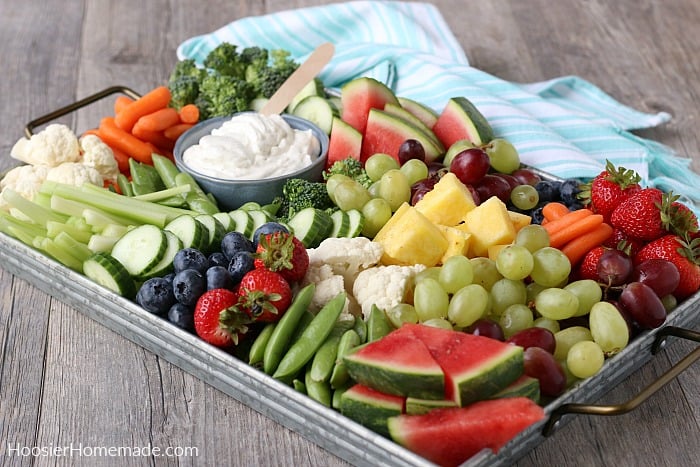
pixel 614 267
pixel 659 274
pixel 470 165
pixel 534 337
pixel 541 364
pixel 488 328
pixel 436 169
pixel 411 149
pixel 526 177
pixel 512 181
pixel 643 305
pixel 493 185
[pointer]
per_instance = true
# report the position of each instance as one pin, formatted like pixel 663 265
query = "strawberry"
pixel 645 215
pixel 609 188
pixel 283 253
pixel 588 269
pixel 681 253
pixel 218 320
pixel 264 295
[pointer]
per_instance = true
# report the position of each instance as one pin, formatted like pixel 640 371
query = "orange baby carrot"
pixel 121 102
pixel 157 138
pixel 91 131
pixel 158 120
pixel 155 99
pixel 576 229
pixel 175 131
pixel 124 141
pixel 122 159
pixel 577 248
pixel 567 219
pixel 554 210
pixel 189 113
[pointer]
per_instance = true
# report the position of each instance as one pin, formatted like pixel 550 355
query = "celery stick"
pixel 99 219
pixel 114 230
pixel 102 243
pixel 33 211
pixel 54 228
pixel 68 207
pixel 72 246
pixel 42 200
pixel 60 255
pixel 31 230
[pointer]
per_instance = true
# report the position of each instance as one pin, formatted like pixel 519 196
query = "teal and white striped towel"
pixel 565 126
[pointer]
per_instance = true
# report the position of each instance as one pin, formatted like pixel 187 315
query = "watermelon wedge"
pixel 345 141
pixel 460 119
pixel 360 95
pixel 424 113
pixel 370 408
pixel 450 436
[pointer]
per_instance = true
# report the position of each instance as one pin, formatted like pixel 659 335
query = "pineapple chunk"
pixel 448 202
pixel 410 238
pixel 489 224
pixel 457 241
pixel 494 250
pixel 519 220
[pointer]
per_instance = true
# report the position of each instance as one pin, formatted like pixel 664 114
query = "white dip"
pixel 252 146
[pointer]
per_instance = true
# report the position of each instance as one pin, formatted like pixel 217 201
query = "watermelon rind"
pixel 525 386
pixel 370 408
pixel 400 112
pixel 421 111
pixel 344 142
pixel 415 406
pixel 460 119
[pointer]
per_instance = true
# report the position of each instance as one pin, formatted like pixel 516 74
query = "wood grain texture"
pixel 65 379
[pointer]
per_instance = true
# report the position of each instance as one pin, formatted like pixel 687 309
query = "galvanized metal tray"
pixel 281 403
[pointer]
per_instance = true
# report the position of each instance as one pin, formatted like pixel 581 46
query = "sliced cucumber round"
pixel 140 249
pixel 189 230
pixel 243 222
pixel 165 265
pixel 259 217
pixel 341 224
pixel 317 110
pixel 103 269
pixel 357 221
pixel 225 220
pixel 215 231
pixel 311 226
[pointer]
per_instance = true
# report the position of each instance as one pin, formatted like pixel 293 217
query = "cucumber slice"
pixel 259 217
pixel 317 110
pixel 357 221
pixel 225 220
pixel 105 270
pixel 215 231
pixel 243 222
pixel 312 88
pixel 140 249
pixel 311 226
pixel 165 265
pixel 191 232
pixel 341 224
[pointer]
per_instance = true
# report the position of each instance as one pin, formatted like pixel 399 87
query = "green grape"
pixel 333 181
pixel 504 157
pixel 402 313
pixel 516 318
pixel 376 213
pixel 568 337
pixel 432 272
pixel 395 188
pixel 456 272
pixel 350 195
pixel 551 324
pixel 514 262
pixel 454 149
pixel 374 189
pixel 551 267
pixel 556 303
pixel 588 293
pixel 485 272
pixel 438 323
pixel 506 292
pixel 524 197
pixel 570 378
pixel 670 302
pixel 533 289
pixel 430 300
pixel 378 164
pixel 585 359
pixel 414 170
pixel 468 304
pixel 608 327
pixel 533 237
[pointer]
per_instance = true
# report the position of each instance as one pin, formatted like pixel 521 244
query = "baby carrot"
pixel 121 102
pixel 577 248
pixel 189 113
pixel 567 219
pixel 124 141
pixel 91 131
pixel 158 120
pixel 122 159
pixel 576 229
pixel 554 210
pixel 155 99
pixel 175 131
pixel 157 138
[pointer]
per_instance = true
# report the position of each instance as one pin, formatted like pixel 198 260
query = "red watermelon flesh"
pixel 460 119
pixel 475 367
pixel 359 96
pixel 450 436
pixel 345 142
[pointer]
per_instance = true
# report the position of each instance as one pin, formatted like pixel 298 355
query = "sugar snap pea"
pixel 378 325
pixel 303 349
pixel 258 348
pixel 361 328
pixel 338 396
pixel 299 386
pixel 325 357
pixel 196 198
pixel 320 391
pixel 281 336
pixel 339 375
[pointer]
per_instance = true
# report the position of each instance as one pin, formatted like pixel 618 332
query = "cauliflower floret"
pixel 25 180
pixel 385 286
pixel 98 155
pixel 347 256
pixel 52 146
pixel 74 173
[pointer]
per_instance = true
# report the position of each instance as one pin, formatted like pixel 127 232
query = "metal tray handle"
pixel 555 418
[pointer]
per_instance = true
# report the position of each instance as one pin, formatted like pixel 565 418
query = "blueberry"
pixel 182 316
pixel 240 264
pixel 536 215
pixel 548 190
pixel 169 277
pixel 218 278
pixel 156 295
pixel 568 192
pixel 188 286
pixel 190 258
pixel 233 242
pixel 268 228
pixel 218 259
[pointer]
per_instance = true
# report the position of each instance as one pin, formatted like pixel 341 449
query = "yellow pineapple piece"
pixel 411 238
pixel 519 220
pixel 448 202
pixel 489 224
pixel 494 250
pixel 457 241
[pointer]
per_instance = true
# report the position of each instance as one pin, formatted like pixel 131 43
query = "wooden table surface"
pixel 66 380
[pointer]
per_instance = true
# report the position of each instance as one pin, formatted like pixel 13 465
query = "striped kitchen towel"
pixel 565 126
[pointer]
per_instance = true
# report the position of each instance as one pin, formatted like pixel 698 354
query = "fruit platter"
pixel 427 284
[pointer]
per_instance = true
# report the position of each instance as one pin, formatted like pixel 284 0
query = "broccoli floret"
pixel 184 83
pixel 299 193
pixel 226 60
pixel 225 95
pixel 349 167
pixel 271 77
